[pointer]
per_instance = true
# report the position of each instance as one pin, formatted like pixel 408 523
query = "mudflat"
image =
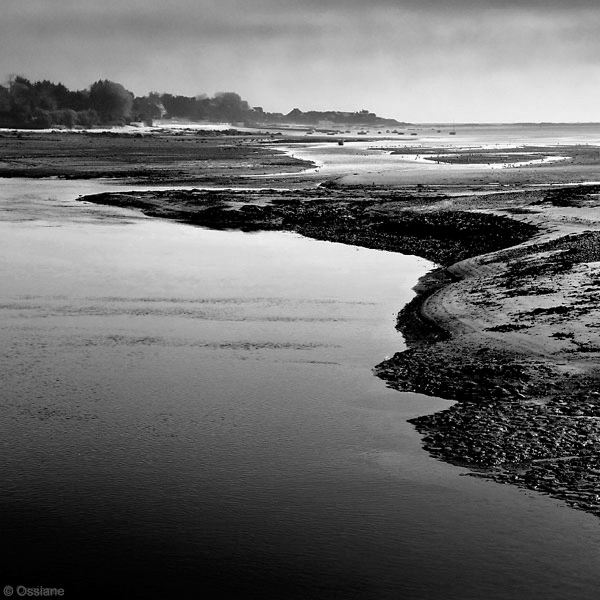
pixel 508 325
pixel 184 157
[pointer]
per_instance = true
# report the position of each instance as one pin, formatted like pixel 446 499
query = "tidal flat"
pixel 505 326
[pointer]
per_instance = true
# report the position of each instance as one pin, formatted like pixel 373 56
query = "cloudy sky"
pixel 415 60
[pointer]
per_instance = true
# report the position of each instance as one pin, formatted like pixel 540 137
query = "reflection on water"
pixel 194 411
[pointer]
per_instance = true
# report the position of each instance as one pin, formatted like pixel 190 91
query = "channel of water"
pixel 195 410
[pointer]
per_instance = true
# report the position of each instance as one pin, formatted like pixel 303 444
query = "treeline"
pixel 360 118
pixel 43 104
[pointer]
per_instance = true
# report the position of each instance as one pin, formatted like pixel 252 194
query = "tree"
pixel 4 100
pixel 22 99
pixel 111 101
pixel 229 106
pixel 146 109
pixel 45 98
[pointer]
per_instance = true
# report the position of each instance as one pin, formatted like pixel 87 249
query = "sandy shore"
pixel 519 351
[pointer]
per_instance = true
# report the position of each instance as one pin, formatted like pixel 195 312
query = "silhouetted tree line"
pixel 43 104
pixel 363 117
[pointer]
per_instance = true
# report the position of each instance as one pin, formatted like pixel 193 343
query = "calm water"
pixel 194 411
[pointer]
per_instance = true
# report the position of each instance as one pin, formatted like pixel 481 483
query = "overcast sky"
pixel 415 60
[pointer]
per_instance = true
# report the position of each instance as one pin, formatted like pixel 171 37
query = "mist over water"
pixel 194 410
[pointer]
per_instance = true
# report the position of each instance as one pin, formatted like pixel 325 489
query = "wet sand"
pixel 180 157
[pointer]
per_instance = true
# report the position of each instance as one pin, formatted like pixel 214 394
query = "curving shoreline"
pixel 507 326
pixel 519 354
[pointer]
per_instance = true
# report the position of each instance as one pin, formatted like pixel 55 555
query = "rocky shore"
pixel 408 224
pixel 517 346
pixel 507 326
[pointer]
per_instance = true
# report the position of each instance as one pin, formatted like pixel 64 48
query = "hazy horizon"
pixel 425 61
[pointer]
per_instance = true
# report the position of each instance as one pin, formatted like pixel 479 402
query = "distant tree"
pixel 22 99
pixel 111 101
pixel 78 100
pixel 41 119
pixel 295 115
pixel 87 118
pixel 43 103
pixel 44 93
pixel 229 106
pixel 146 108
pixel 180 106
pixel 62 96
pixel 4 100
pixel 66 117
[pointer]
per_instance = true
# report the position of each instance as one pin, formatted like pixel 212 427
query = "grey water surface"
pixel 192 410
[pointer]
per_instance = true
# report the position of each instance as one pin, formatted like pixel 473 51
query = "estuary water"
pixel 372 159
pixel 186 411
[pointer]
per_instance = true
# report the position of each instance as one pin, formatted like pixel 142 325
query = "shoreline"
pixel 475 331
pixel 160 158
pixel 507 326
pixel 518 353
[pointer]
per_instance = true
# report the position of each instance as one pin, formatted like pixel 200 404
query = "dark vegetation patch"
pixel 562 335
pixel 517 420
pixel 518 210
pixel 572 196
pixel 507 327
pixel 578 248
pixel 415 327
pixel 523 272
pixel 480 377
pixel 529 291
pixel 552 310
pixel 441 236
